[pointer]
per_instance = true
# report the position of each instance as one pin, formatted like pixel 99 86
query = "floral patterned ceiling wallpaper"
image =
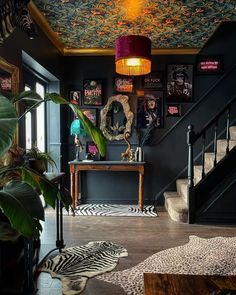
pixel 169 23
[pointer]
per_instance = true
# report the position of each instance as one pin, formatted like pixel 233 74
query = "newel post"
pixel 191 197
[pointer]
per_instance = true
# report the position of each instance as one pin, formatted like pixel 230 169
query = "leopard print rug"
pixel 215 256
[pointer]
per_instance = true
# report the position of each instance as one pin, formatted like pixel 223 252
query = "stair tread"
pixel 182 180
pixel 177 202
pixel 232 131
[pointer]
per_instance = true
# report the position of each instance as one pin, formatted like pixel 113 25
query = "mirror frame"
pixel 123 99
pixel 15 82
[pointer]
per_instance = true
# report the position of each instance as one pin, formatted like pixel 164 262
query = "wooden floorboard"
pixel 141 236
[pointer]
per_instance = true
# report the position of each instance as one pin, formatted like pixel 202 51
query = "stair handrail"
pixel 213 120
pixel 192 137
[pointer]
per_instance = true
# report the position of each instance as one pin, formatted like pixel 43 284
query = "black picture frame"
pixel 173 110
pixel 179 83
pixel 123 84
pixel 92 92
pixel 146 112
pixel 92 150
pixel 210 65
pixel 75 97
pixel 91 114
pixel 154 80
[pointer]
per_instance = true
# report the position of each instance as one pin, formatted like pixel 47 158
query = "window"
pixel 35 120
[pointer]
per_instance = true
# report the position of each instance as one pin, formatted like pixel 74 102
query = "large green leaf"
pixel 22 206
pixel 28 97
pixel 49 191
pixel 8 123
pixel 56 98
pixel 94 132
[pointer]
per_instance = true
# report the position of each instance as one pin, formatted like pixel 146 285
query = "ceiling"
pixel 91 27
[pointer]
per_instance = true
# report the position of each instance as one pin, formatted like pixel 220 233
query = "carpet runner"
pixel 115 210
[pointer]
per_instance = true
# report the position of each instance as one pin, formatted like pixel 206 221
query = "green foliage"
pixel 35 153
pixel 22 206
pixel 8 123
pixel 94 132
pixel 19 200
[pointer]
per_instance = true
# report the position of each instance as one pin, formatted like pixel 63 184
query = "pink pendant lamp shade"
pixel 133 55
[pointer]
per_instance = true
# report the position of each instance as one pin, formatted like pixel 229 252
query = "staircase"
pixel 176 202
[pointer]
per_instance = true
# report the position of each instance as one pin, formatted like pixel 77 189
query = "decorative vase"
pixel 139 154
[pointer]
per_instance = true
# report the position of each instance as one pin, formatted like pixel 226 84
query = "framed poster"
pixel 149 108
pixel 92 150
pixel 153 80
pixel 75 97
pixel 179 83
pixel 173 110
pixel 91 114
pixel 92 92
pixel 210 65
pixel 123 84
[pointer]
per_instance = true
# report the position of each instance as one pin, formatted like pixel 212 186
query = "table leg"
pixel 140 191
pixel 77 188
pixel 72 188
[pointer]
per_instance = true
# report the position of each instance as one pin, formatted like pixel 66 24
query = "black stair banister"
pixel 192 138
pixel 227 130
pixel 163 139
pixel 215 118
pixel 203 153
pixel 215 142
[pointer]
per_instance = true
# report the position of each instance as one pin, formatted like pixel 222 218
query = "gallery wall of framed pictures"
pixel 153 97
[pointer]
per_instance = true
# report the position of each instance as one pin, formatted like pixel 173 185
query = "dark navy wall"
pixel 167 156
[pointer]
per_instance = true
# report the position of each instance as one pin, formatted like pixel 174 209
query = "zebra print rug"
pixel 114 210
pixel 75 265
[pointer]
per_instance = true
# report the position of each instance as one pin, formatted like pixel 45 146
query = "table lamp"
pixel 76 128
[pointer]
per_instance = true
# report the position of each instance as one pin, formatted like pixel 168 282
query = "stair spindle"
pixel 190 137
pixel 203 154
pixel 227 130
pixel 191 194
pixel 215 143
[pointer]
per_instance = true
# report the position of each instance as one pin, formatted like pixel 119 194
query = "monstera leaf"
pixel 8 123
pixel 22 206
pixel 47 188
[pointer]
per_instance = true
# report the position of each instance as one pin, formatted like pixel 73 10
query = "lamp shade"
pixel 76 128
pixel 133 55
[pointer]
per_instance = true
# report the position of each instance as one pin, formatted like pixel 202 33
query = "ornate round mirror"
pixel 116 117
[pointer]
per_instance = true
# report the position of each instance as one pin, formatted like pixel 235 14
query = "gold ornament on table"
pixel 128 155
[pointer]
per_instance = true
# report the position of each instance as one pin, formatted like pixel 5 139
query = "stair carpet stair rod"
pixel 176 202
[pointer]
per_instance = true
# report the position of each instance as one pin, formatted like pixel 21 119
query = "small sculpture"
pixel 128 155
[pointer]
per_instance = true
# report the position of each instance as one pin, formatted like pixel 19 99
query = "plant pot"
pixel 38 165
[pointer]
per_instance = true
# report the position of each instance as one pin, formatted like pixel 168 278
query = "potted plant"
pixel 39 160
pixel 31 226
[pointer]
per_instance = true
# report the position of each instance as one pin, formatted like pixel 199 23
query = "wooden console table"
pixel 77 166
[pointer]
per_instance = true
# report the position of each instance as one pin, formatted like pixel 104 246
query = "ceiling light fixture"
pixel 133 55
